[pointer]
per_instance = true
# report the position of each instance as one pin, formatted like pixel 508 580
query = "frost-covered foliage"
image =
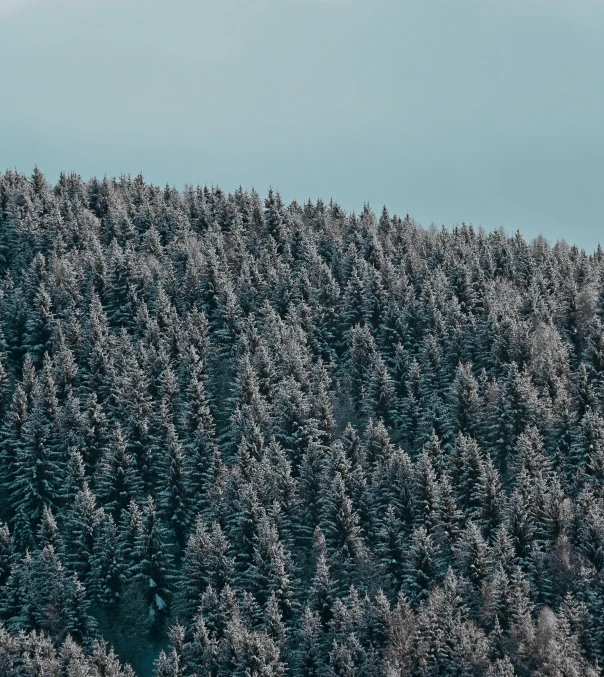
pixel 244 438
pixel 31 654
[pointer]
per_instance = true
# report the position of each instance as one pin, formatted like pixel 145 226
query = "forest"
pixel 250 439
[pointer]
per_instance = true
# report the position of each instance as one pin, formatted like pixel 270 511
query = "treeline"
pixel 260 439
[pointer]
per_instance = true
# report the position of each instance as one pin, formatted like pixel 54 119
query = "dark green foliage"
pixel 246 438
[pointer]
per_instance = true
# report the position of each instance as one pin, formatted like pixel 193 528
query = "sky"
pixel 487 112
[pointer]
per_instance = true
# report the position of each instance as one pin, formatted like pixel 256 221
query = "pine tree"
pixel 322 592
pixel 117 480
pixel 50 590
pixel 131 403
pixel 426 493
pixel 122 283
pixel 361 357
pixel 76 476
pixel 6 551
pixel 104 582
pixel 474 561
pixel 275 627
pixel 249 413
pixel 173 499
pixel 421 565
pixel 377 445
pixel 411 408
pixel 271 569
pixel 390 548
pixel 12 441
pixel 469 475
pixel 381 402
pixel 80 625
pixel 309 657
pixel 48 532
pixel 466 401
pixel 205 563
pixel 70 429
pixel 96 432
pixel 38 470
pixel 152 564
pixel 20 603
pixel 343 537
pixel 80 521
pixel 490 511
pixel 203 650
pixel 39 327
pixel 587 449
pixel 99 370
pixel 311 490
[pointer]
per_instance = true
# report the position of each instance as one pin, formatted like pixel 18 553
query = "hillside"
pixel 258 439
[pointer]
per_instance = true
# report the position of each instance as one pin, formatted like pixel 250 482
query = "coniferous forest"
pixel 244 438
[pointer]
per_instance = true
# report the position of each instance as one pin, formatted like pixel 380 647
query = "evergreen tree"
pixel 421 565
pixel 173 500
pixel 271 569
pixel 6 551
pixel 309 657
pixel 117 479
pixel 205 563
pixel 104 580
pixel 343 536
pixel 152 564
pixel 38 469
pixel 466 400
pixel 80 521
pixel 12 444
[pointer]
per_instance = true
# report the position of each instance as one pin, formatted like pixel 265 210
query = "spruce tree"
pixel 152 565
pixel 117 479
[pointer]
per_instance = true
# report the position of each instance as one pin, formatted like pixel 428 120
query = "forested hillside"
pixel 250 439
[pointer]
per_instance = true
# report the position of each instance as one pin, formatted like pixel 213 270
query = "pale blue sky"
pixel 484 111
